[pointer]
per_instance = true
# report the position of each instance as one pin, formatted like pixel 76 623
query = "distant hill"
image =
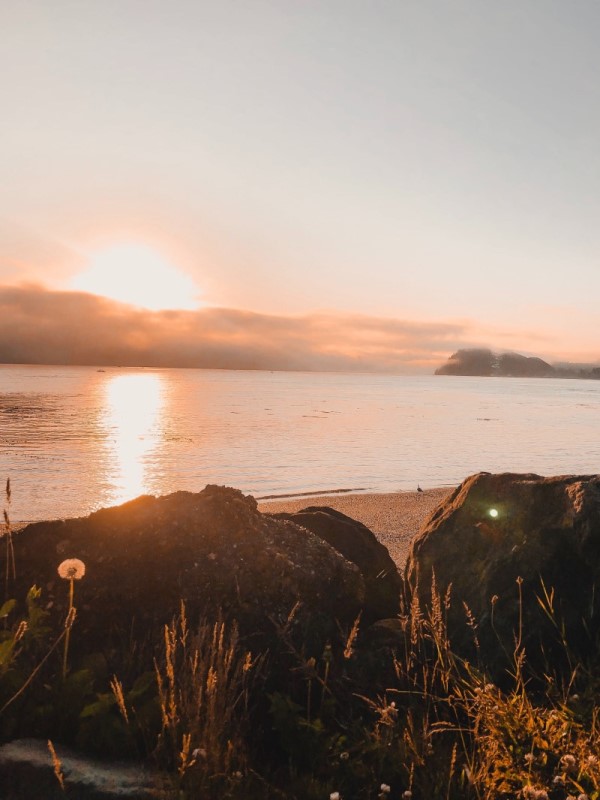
pixel 483 362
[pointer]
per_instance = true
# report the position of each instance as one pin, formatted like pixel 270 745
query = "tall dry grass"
pixel 203 679
pixel 458 735
pixel 10 570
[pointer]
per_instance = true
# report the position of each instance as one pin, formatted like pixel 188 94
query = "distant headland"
pixel 485 363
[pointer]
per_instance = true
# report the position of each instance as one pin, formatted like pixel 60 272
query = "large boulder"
pixel 523 553
pixel 212 549
pixel 383 584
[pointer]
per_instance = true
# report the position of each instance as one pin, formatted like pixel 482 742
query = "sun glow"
pixel 139 276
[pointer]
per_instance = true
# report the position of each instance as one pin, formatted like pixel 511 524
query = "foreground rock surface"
pixel 26 771
pixel 383 584
pixel 496 529
pixel 212 549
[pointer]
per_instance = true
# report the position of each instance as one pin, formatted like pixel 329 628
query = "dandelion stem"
pixel 72 569
pixel 68 633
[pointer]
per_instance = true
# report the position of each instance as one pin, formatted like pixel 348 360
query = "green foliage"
pixel 37 617
pixel 103 729
pixel 21 639
pixel 303 741
pixel 6 608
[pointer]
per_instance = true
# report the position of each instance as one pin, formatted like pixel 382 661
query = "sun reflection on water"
pixel 133 408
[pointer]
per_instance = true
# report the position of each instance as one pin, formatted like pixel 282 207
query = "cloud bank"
pixel 41 326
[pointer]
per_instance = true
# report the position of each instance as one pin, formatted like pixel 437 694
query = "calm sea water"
pixel 73 439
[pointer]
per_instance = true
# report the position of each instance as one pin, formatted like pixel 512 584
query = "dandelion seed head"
pixel 71 569
pixel 385 789
pixel 334 796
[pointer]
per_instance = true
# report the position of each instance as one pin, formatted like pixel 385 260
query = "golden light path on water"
pixel 133 407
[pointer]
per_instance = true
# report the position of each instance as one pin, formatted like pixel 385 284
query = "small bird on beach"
pixel 419 490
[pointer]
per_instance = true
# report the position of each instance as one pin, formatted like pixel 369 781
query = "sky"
pixel 306 185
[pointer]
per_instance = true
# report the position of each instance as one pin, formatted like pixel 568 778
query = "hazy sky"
pixel 424 163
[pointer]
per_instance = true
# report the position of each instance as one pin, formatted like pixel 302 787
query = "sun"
pixel 139 276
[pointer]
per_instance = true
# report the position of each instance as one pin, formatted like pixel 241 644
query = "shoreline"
pixel 393 517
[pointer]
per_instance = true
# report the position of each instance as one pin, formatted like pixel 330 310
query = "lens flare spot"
pixel 493 512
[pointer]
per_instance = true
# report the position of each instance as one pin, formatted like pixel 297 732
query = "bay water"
pixel 74 439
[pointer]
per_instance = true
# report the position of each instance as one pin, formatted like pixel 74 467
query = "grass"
pixel 203 680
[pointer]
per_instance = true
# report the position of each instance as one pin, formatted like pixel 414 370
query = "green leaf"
pixel 6 608
pixel 6 651
pixel 80 681
pixel 100 706
pixel 145 681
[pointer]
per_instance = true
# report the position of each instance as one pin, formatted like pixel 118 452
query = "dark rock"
pixel 383 584
pixel 213 549
pixel 496 529
pixel 27 772
pixel 377 654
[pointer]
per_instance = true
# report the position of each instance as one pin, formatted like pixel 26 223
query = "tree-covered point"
pixel 486 363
